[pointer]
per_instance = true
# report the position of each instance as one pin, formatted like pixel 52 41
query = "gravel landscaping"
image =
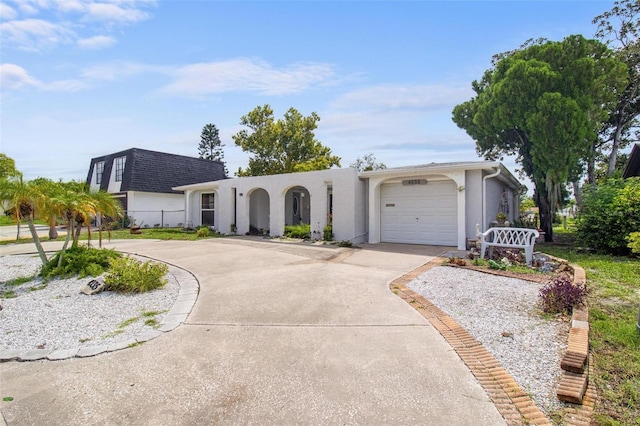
pixel 55 315
pixel 502 314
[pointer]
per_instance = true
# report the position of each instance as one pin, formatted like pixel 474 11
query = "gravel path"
pixel 501 313
pixel 55 315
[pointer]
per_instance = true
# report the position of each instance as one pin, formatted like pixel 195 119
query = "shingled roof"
pixel 632 168
pixel 152 171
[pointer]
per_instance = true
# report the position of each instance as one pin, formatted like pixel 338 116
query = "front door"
pixel 297 209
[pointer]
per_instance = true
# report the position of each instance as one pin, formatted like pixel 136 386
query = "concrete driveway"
pixel 280 334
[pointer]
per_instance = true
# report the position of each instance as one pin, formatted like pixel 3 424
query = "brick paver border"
pixel 515 405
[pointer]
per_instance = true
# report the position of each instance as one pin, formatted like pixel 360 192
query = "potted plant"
pixel 501 218
pixel 135 229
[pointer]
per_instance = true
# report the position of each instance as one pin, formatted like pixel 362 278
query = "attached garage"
pixel 418 211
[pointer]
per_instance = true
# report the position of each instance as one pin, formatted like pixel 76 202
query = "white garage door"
pixel 419 213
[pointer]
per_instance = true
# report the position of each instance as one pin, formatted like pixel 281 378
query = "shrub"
pixel 328 233
pixel 561 295
pixel 610 213
pixel 82 261
pixel 298 231
pixel 634 242
pixel 345 243
pixel 127 275
pixel 202 232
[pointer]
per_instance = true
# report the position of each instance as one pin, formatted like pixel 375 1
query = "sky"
pixel 84 78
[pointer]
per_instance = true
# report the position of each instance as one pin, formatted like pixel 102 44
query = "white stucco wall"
pixel 154 208
pixel 473 195
pixel 346 186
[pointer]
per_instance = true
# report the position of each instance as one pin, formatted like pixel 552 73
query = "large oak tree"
pixel 544 103
pixel 282 146
pixel 619 28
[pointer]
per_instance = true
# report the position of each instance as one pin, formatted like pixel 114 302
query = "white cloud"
pixel 114 13
pixel 15 77
pixel 421 97
pixel 245 75
pixel 68 22
pixel 112 71
pixel 35 34
pixel 399 124
pixel 96 42
pixel 7 12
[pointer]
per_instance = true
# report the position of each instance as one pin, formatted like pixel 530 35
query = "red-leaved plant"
pixel 561 295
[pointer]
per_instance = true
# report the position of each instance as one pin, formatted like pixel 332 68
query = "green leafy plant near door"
pixel 302 230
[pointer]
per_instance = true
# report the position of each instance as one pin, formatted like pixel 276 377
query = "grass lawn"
pixel 9 221
pixel 614 284
pixel 125 234
pixel 151 233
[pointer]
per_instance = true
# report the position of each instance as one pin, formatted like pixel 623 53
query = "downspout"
pixel 484 196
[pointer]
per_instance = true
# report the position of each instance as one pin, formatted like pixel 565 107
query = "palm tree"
pixel 48 188
pixel 67 203
pixel 22 197
pixel 105 206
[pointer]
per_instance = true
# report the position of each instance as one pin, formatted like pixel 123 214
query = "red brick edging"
pixel 515 405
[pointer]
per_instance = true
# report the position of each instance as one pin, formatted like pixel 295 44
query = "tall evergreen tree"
pixel 210 147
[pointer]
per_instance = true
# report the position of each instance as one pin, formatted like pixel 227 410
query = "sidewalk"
pixel 8 233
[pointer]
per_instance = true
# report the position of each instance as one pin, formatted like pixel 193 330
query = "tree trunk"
pixel 577 193
pixel 53 231
pixel 546 215
pixel 615 144
pixel 36 240
pixel 76 233
pixel 591 168
pixel 66 240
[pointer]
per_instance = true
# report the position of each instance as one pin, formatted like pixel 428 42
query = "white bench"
pixel 523 238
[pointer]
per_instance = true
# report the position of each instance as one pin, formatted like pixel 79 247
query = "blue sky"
pixel 83 78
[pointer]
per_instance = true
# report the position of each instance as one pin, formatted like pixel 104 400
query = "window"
pixel 119 168
pixel 208 209
pixel 99 172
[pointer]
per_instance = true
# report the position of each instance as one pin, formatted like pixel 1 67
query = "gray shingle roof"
pixel 152 171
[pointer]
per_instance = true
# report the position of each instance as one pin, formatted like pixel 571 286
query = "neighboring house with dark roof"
pixel 143 180
pixel 632 168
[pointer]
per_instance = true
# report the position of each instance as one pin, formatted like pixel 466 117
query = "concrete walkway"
pixel 280 334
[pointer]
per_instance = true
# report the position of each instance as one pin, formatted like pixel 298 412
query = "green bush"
pixel 610 213
pixel 298 231
pixel 82 261
pixel 202 232
pixel 328 233
pixel 634 242
pixel 127 275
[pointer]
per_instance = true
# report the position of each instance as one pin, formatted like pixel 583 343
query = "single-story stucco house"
pixel 143 181
pixel 434 204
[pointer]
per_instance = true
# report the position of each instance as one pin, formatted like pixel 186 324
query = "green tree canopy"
pixel 367 163
pixel 544 103
pixel 7 166
pixel 282 146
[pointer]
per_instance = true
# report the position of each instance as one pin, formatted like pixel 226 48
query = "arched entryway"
pixel 259 211
pixel 297 206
